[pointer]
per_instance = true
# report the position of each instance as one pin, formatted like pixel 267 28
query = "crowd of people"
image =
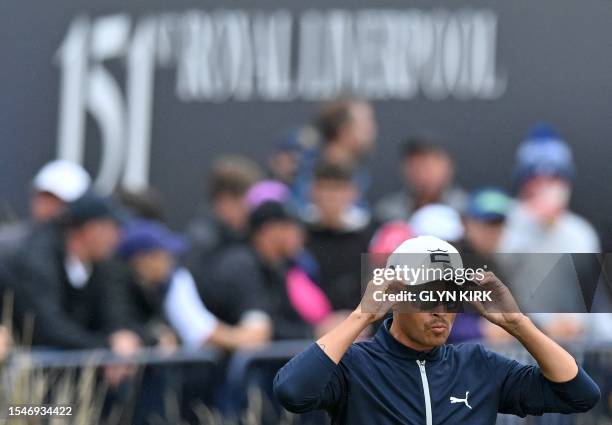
pixel 275 251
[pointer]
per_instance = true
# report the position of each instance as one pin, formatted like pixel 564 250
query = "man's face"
pixel 483 236
pixel 428 173
pixel 101 238
pixel 362 128
pixel 286 236
pixel 154 267
pixel 546 197
pixel 284 165
pixel 232 210
pixel 44 206
pixel 332 198
pixel 425 330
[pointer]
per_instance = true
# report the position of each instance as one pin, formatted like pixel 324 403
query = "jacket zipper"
pixel 428 419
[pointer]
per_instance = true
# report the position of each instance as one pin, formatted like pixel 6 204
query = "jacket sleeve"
pixel 310 381
pixel 525 391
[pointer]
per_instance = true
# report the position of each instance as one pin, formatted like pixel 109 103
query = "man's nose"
pixel 438 310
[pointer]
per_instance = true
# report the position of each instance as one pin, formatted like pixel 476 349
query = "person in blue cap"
pixel 165 297
pixel 484 218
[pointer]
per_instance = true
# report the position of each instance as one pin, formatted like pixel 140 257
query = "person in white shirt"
pixel 150 250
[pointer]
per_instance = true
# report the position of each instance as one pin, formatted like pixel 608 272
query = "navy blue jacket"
pixel 381 381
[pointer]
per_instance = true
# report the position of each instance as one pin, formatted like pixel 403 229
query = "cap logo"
pixel 439 256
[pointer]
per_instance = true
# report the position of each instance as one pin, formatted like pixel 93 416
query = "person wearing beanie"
pixel 541 222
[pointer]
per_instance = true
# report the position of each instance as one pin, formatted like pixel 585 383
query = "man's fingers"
pixel 488 278
pixel 479 307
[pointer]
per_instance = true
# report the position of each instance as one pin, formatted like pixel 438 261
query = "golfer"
pixel 406 374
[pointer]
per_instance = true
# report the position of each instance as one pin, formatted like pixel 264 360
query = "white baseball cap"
pixel 437 220
pixel 425 253
pixel 64 179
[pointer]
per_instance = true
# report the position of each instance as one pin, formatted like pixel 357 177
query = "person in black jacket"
pixel 68 285
pixel 338 233
pixel 251 283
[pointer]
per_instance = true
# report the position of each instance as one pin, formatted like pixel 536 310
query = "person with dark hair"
pixel 347 128
pixel 144 203
pixel 427 178
pixel 338 233
pixel 224 219
pixel 69 286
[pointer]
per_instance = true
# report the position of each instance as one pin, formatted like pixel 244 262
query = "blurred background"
pixel 188 187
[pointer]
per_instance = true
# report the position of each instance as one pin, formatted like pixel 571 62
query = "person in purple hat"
pixel 164 295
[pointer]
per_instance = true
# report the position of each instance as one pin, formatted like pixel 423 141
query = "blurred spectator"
pixel 293 147
pixel 145 203
pixel 541 222
pixel 348 130
pixel 338 233
pixel 57 183
pixel 260 281
pixel 427 176
pixel 224 221
pixel 163 295
pixel 266 190
pixel 484 220
pixel 68 284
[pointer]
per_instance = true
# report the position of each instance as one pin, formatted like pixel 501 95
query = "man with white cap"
pixel 56 184
pixel 406 374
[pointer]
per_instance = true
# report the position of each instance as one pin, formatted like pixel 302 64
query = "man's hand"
pixel 502 310
pixel 123 343
pixel 376 310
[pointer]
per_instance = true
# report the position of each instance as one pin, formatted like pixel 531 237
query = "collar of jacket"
pixel 396 348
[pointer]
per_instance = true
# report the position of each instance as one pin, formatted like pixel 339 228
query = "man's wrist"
pixel 362 318
pixel 517 326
